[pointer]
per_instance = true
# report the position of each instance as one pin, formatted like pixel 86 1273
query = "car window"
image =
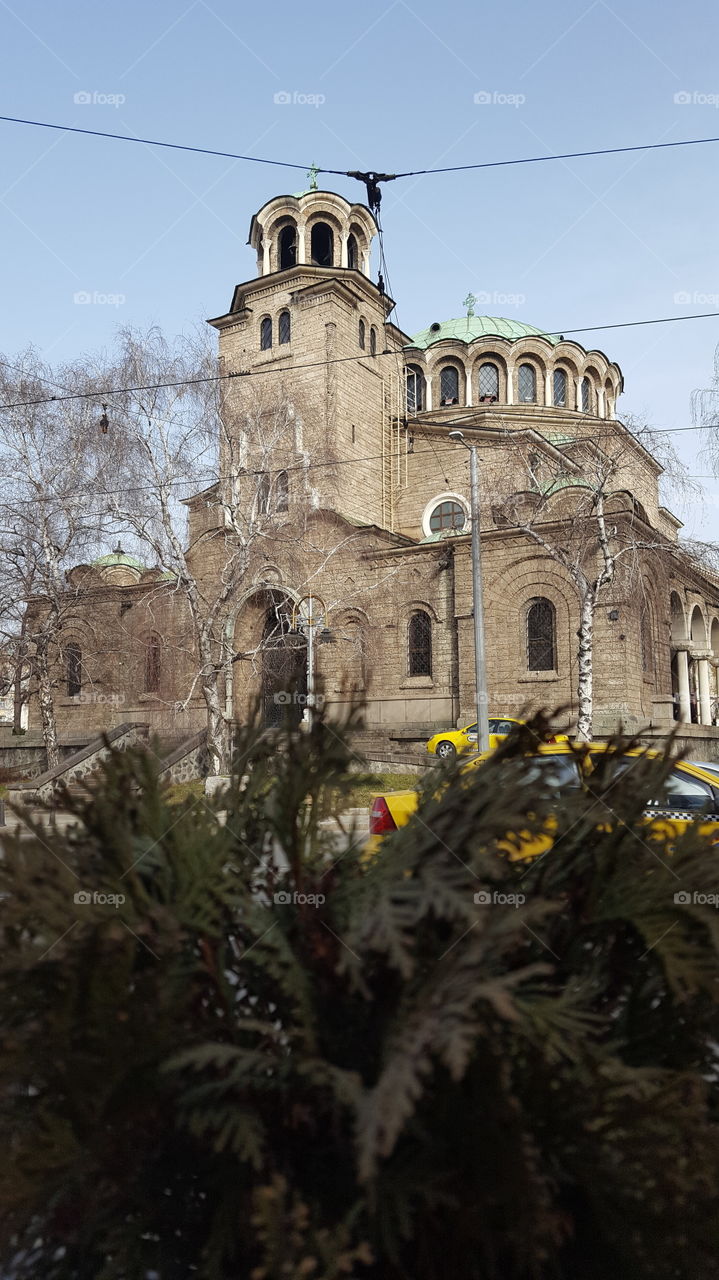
pixel 502 726
pixel 559 773
pixel 679 791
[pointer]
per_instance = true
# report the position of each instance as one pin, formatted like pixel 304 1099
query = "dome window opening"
pixel 527 384
pixel 287 246
pixel 352 253
pixel 449 386
pixel 560 388
pixel 322 245
pixel 284 327
pixel 415 389
pixel 488 384
pixel 586 395
pixel 447 515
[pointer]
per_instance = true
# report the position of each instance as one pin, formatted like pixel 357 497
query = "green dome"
pixel 467 328
pixel 118 556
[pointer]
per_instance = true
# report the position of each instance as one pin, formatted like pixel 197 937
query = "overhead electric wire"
pixel 344 173
pixel 314 364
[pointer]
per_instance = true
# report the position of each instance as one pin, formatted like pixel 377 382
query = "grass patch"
pixel 374 784
pixel 360 796
pixel 181 791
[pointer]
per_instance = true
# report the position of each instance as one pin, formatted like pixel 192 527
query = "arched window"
pixel 586 395
pixel 541 635
pixel 263 495
pixel 284 327
pixel 447 515
pixel 419 635
pixel 415 388
pixel 265 334
pixel 72 658
pixel 488 384
pixel 449 385
pixel 352 253
pixel 322 245
pixel 373 341
pixel 287 248
pixel 362 335
pixel 153 664
pixel 527 384
pixel 560 388
pixel 282 491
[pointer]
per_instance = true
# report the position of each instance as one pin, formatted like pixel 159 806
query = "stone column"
pixel 468 388
pixel 705 705
pixel 265 254
pixel 548 388
pixel 301 259
pixel 685 710
pixel 343 249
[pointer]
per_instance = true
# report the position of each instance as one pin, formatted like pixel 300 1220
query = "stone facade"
pixel 357 486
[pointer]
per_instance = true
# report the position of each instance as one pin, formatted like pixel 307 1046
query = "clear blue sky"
pixel 572 243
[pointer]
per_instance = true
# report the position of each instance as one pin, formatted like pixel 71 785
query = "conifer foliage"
pixel 240 1049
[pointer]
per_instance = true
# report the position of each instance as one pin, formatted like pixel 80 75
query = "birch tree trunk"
pixel 47 709
pixel 585 668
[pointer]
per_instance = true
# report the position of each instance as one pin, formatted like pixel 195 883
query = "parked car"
pixel 449 742
pixel 690 793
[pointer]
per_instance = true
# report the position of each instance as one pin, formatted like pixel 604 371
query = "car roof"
pixel 595 748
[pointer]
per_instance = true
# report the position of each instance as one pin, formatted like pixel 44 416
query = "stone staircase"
pixel 181 761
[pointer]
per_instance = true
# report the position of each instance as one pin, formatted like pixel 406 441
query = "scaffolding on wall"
pixel 394 446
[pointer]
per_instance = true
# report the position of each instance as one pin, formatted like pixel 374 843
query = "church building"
pixel 366 502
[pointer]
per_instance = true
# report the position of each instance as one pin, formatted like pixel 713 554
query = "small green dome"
pixel 118 556
pixel 467 328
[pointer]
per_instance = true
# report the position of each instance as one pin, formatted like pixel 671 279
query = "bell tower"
pixel 314 228
pixel 312 330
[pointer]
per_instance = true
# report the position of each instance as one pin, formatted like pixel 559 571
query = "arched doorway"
pixel 284 665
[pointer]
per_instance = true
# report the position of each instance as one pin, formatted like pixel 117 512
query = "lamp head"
pixel 457 435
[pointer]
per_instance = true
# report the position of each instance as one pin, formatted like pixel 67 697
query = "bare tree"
pixel 231 453
pixel 51 469
pixel 575 502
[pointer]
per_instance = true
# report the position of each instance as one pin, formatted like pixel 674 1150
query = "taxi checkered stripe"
pixel 685 815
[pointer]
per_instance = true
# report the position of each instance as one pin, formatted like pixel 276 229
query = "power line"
pixel 315 364
pixel 154 142
pixel 567 155
pixel 346 173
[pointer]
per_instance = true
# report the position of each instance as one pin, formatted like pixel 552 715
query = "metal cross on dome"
pixel 312 177
pixel 469 303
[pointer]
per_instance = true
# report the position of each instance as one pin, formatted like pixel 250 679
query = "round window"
pixel 447 515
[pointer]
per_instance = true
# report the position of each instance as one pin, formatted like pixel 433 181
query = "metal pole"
pixel 480 668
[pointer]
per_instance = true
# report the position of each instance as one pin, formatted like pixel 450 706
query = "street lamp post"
pixel 480 667
pixel 309 622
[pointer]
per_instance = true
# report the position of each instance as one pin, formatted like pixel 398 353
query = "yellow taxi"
pixel 689 794
pixel 449 742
